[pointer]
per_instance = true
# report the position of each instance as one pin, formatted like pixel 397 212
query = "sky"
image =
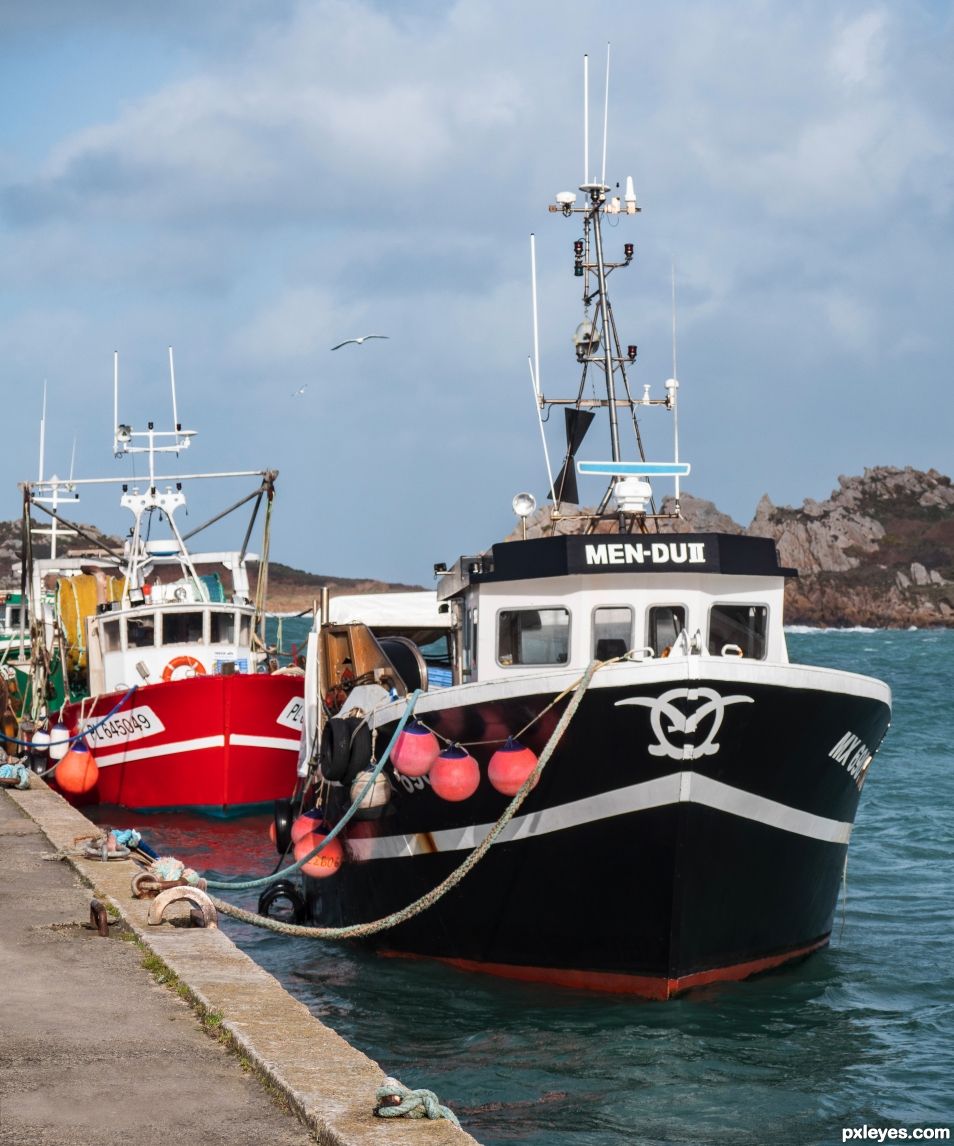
pixel 250 183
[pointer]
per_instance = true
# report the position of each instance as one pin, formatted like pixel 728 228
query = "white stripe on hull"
pixel 104 759
pixel 199 744
pixel 240 740
pixel 678 787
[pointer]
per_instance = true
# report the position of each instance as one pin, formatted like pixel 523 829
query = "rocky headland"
pixel 879 552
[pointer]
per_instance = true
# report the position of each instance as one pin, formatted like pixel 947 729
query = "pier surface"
pixel 93 1048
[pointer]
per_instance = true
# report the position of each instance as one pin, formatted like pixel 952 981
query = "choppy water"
pixel 862 1033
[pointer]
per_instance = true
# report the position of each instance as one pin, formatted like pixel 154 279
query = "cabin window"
pixel 245 630
pixel 111 639
pixel 141 631
pixel 666 622
pixel 533 637
pixel 223 628
pixel 734 627
pixel 182 628
pixel 14 618
pixel 612 631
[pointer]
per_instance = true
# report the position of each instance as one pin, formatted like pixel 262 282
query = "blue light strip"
pixel 634 469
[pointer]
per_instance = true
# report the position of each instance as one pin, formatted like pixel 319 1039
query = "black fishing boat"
pixel 671 799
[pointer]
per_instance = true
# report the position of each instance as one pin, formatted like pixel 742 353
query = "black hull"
pixel 631 870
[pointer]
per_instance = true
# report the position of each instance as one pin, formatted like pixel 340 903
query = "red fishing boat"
pixel 172 699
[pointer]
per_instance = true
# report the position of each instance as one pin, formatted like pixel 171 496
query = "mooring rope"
pixel 359 930
pixel 248 884
pixel 79 735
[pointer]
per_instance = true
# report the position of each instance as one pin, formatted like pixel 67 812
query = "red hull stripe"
pixel 646 986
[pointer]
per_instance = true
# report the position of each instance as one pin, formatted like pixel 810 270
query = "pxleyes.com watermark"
pixel 868 1133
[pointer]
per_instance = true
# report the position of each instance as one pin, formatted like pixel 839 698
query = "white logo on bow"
pixel 713 705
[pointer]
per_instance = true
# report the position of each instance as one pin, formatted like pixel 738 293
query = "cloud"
pixel 304 171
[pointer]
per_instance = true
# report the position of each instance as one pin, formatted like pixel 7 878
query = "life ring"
pixel 198 668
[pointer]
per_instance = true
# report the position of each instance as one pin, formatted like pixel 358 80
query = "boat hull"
pixel 683 831
pixel 220 744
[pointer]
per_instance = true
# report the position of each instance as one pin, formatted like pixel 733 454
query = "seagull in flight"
pixel 301 389
pixel 358 341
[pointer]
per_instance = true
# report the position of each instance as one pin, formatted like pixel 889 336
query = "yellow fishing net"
pixel 77 599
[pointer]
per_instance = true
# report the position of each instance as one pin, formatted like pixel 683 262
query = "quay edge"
pixel 328 1083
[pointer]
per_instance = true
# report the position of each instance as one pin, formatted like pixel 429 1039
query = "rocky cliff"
pixel 879 552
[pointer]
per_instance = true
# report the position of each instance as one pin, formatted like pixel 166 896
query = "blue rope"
pixel 16 772
pixel 249 884
pixel 411 1104
pixel 79 735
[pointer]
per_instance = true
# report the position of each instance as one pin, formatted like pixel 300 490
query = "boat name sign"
pixel 854 756
pixel 136 724
pixel 293 715
pixel 657 553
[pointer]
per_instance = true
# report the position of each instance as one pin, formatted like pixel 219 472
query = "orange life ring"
pixel 198 668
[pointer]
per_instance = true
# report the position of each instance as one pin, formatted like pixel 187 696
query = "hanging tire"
pixel 359 754
pixel 335 749
pixel 283 821
pixel 283 890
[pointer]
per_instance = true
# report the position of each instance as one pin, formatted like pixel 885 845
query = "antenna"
pixel 605 115
pixel 535 369
pixel 674 374
pixel 42 432
pixel 72 462
pixel 115 401
pixel 672 386
pixel 172 376
pixel 586 118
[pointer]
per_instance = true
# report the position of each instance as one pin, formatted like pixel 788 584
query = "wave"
pixel 834 629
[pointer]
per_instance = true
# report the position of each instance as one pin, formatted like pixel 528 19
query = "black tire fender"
pixel 282 889
pixel 283 825
pixel 335 749
pixel 359 755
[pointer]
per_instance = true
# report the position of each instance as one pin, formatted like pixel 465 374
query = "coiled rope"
pixel 358 930
pixel 410 1103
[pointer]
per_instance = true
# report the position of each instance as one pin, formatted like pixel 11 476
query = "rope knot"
pixel 396 1101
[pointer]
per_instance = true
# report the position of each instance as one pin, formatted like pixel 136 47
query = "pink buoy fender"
pixel 326 862
pixel 305 824
pixel 77 773
pixel 455 774
pixel 415 751
pixel 510 766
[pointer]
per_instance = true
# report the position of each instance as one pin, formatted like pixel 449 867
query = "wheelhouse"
pixel 562 602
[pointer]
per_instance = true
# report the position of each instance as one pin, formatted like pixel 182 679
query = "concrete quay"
pixel 94 1049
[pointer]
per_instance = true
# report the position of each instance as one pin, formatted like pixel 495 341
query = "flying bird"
pixel 301 389
pixel 357 341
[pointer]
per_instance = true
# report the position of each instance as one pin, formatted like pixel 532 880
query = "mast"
pixel 628 498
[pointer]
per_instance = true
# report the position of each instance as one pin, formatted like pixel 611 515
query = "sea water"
pixel 859 1035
